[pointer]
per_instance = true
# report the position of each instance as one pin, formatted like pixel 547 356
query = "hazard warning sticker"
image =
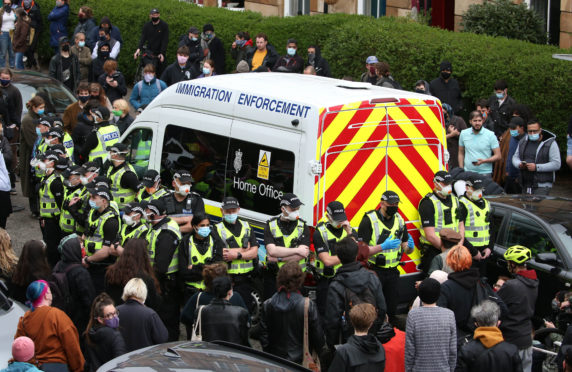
pixel 264 164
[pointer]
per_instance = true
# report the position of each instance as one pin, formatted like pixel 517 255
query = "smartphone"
pixel 475 162
pixel 523 162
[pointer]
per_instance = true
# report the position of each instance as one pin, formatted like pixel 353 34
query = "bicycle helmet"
pixel 518 253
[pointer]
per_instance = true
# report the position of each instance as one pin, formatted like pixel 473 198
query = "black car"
pixel 543 224
pixel 54 93
pixel 199 356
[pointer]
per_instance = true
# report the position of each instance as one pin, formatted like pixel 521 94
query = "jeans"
pixel 55 367
pixel 526 357
pixel 19 60
pixel 6 46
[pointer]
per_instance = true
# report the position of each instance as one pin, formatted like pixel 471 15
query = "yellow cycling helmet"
pixel 518 253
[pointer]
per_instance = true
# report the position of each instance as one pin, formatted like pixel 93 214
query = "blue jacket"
pixel 148 92
pixel 20 367
pixel 58 18
pixel 511 170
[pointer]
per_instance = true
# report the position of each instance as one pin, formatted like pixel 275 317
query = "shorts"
pixel 569 143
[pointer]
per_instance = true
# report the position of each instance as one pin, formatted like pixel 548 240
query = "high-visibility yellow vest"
pixel 236 266
pixel 153 235
pixel 84 196
pixel 297 233
pixel 139 232
pixel 158 194
pixel 67 221
pixel 68 144
pixel 142 154
pixel 327 235
pixel 120 195
pixel 94 232
pixel 377 228
pixel 477 227
pixel 440 210
pixel 48 206
pixel 106 136
pixel 196 258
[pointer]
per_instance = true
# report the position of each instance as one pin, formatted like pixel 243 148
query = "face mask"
pixel 65 48
pixel 183 189
pixel 445 191
pixel 194 38
pixel 499 95
pixel 417 90
pixel 83 180
pixel 102 38
pixel 445 75
pixel 59 3
pixel 476 195
pixel 38 132
pixel 534 137
pixel 128 220
pixel 50 141
pixel 93 204
pixel 148 77
pixel 83 99
pixel 209 36
pixel 204 231
pixel 230 218
pixel 391 210
pixel 42 166
pixel 240 43
pixel 292 216
pixel 311 57
pixel 155 19
pixel 182 60
pixel 514 132
pixel 291 51
pixel 372 70
pixel 555 305
pixel 104 54
pixel 41 112
pixel 81 44
pixel 4 83
pixel 113 322
pixel 206 70
pixel 484 116
pixel 117 112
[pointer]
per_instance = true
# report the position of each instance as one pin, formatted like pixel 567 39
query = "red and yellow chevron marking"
pixel 367 149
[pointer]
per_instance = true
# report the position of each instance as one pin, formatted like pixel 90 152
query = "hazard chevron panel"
pixel 366 149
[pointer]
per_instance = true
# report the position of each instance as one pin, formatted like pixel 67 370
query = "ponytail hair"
pixel 35 102
pixel 101 301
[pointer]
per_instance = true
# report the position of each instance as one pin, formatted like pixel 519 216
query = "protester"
pixel 31 266
pixel 446 88
pixel 8 259
pixel 194 50
pixel 241 45
pixel 71 114
pixel 208 69
pixel 121 115
pixel 319 63
pixel 263 57
pixel 370 76
pixel 33 11
pixel 182 69
pixel 291 62
pixel 83 54
pixel 58 19
pixel 154 38
pixel 147 89
pixel 20 38
pixel 213 48
pixel 112 81
pixel 85 24
pixel 23 356
pixel 6 203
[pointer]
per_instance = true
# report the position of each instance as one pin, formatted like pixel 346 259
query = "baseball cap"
pixel 390 196
pixel 58 149
pixel 150 177
pixel 91 166
pixel 118 147
pixel 57 122
pixel 101 181
pixel 443 176
pixel 183 176
pixel 336 211
pixel 230 202
pixel 50 155
pixel 133 207
pixel 291 201
pixel 371 60
pixel 43 121
pixel 75 170
pixel 23 349
pixel 54 132
pixel 154 11
pixel 101 191
pixel 194 30
pixel 156 206
pixel 476 182
pixel 62 164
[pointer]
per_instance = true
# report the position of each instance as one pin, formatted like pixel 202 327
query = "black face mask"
pixel 66 48
pixel 445 75
pixel 155 19
pixel 104 54
pixel 7 8
pixel 102 38
pixel 390 210
pixel 84 99
pixel 419 91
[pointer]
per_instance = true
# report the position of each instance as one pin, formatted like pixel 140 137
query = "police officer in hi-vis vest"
pixel 182 203
pixel 241 249
pixel 103 135
pixel 152 188
pixel 132 226
pixel 124 181
pixel 384 231
pixel 475 211
pixel 73 189
pixel 287 238
pixel 101 231
pixel 327 234
pixel 438 210
pixel 164 237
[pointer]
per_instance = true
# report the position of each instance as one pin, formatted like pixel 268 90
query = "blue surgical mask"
pixel 81 44
pixel 514 132
pixel 500 95
pixel 240 43
pixel 206 71
pixel 38 132
pixel 41 112
pixel 93 204
pixel 291 51
pixel 230 218
pixel 534 137
pixel 204 231
pixel 194 38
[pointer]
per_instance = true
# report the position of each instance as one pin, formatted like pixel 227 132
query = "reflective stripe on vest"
pixel 67 222
pixel 120 195
pixel 200 258
pixel 277 233
pixel 68 144
pixel 158 194
pixel 48 206
pixel 236 266
pixel 391 255
pixel 95 230
pixel 476 226
pixel 106 136
pixel 139 232
pixel 326 236
pixel 440 209
pixel 152 236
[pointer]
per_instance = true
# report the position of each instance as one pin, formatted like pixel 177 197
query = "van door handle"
pixel 315 167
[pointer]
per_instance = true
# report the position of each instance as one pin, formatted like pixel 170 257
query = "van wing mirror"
pixel 549 258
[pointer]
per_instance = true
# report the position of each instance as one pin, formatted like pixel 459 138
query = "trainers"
pixel 17 208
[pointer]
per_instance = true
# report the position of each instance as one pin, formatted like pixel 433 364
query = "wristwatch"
pixel 85 260
pixel 279 259
pixel 239 256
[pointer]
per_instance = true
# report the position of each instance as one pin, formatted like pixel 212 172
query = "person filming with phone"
pixel 478 147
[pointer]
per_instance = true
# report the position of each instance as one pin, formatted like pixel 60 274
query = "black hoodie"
pixel 457 295
pixel 360 354
pixel 103 345
pixel 320 64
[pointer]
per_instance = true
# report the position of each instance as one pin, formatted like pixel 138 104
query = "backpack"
pixel 352 299
pixel 140 86
pixel 61 294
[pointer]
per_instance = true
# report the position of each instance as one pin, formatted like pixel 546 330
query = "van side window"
pixel 139 142
pixel 259 175
pixel 201 153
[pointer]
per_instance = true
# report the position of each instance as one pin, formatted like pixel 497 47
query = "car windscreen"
pixel 58 96
pixel 564 231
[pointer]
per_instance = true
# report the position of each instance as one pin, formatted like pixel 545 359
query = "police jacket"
pixel 195 274
pixel 359 354
pixel 220 320
pixel 282 326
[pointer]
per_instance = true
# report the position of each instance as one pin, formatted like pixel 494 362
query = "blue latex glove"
pixel 390 243
pixel 410 242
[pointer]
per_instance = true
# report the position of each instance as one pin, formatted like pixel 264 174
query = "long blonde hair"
pixel 8 259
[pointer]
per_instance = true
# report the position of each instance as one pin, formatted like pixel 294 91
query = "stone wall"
pixel 566 24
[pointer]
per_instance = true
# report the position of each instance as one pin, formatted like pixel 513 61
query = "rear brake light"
pixel 383 100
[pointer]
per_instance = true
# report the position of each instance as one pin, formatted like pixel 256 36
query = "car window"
pixel 139 142
pixel 524 231
pixel 495 224
pixel 58 97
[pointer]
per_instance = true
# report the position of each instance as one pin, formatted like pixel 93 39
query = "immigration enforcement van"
pixel 257 136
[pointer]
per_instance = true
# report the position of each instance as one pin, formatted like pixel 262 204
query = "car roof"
pixel 553 210
pixel 30 77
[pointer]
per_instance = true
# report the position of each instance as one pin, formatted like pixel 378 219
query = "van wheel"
pixel 255 315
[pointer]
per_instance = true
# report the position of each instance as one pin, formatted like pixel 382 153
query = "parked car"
pixel 56 95
pixel 10 313
pixel 199 356
pixel 543 224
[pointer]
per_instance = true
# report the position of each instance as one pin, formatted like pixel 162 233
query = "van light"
pixel 383 100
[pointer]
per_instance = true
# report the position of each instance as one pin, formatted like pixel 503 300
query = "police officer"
pixel 73 189
pixel 327 234
pixel 384 231
pixel 124 181
pixel 79 206
pixel 475 211
pixel 241 249
pixel 103 135
pixel 152 188
pixel 101 231
pixel 67 139
pixel 438 210
pixel 182 203
pixel 164 237
pixel 202 246
pixel 51 196
pixel 287 238
pixel 132 226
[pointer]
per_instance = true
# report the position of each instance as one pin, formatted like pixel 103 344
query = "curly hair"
pixel 133 262
pixel 210 272
pixel 290 277
pixel 459 258
pixel 8 259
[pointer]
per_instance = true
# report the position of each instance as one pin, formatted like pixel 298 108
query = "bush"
pixel 413 51
pixel 504 18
